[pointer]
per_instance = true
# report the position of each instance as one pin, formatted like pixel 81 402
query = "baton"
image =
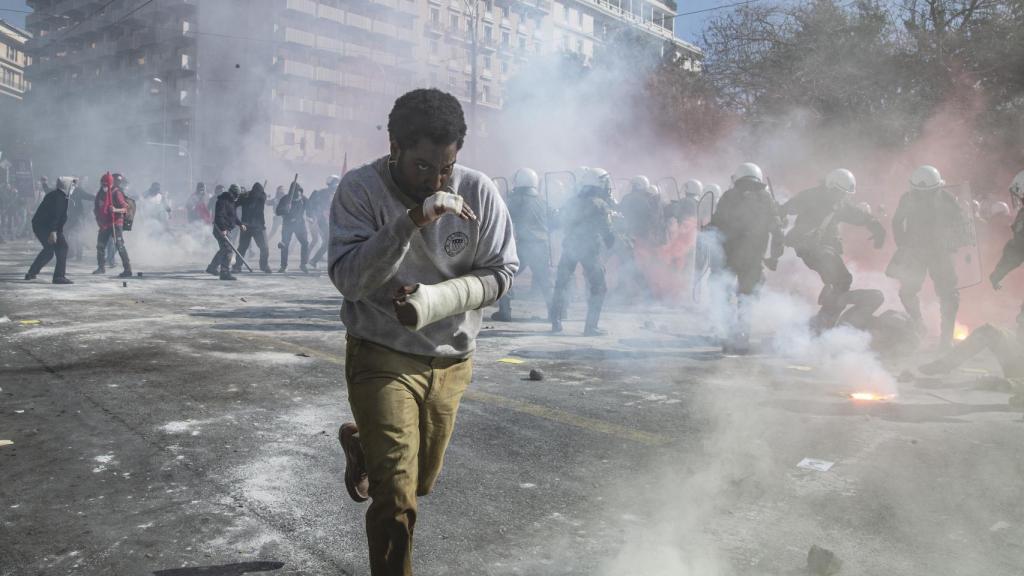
pixel 235 250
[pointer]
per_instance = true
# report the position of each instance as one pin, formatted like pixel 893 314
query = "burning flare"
pixel 871 396
pixel 960 332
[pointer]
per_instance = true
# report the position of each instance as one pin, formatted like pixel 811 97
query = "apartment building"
pixel 13 86
pixel 13 61
pixel 188 90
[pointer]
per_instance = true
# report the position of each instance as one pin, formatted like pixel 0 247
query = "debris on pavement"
pixel 124 284
pixel 6 442
pixel 511 361
pixel 999 526
pixel 822 562
pixel 815 464
pixel 302 354
pixel 243 299
pixel 536 374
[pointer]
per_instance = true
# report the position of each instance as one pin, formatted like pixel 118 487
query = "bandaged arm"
pixel 434 302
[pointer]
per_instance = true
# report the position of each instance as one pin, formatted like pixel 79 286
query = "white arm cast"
pixel 434 302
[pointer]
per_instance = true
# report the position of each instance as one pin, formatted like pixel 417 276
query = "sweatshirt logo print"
pixel 456 243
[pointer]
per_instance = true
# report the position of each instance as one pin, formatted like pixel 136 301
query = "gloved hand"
pixel 439 204
pixel 997 283
pixel 52 238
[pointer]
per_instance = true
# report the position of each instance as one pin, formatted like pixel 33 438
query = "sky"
pixel 15 18
pixel 689 27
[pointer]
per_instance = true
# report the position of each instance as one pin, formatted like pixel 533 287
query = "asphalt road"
pixel 180 425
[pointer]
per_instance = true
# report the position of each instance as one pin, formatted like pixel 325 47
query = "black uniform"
pixel 746 220
pixel 225 220
pixel 529 213
pixel 588 226
pixel 292 209
pixel 319 209
pixel 928 227
pixel 815 237
pixel 253 205
pixel 79 221
pixel 49 219
pixel 1013 256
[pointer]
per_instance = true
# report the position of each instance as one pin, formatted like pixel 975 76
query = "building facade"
pixel 189 90
pixel 13 61
pixel 13 86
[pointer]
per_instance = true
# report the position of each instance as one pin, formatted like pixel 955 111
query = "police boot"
pixel 225 274
pixel 504 313
pixel 593 316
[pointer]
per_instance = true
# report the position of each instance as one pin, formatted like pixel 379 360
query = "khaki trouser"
pixel 405 407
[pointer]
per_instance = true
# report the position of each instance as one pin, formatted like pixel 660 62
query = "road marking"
pixel 537 410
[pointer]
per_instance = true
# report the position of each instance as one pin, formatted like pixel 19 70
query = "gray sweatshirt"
pixel 376 248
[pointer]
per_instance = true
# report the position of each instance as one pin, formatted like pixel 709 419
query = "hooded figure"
pixel 110 207
pixel 319 210
pixel 48 226
pixel 293 211
pixel 225 219
pixel 253 205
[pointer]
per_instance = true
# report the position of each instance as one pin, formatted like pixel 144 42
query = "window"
pixel 485 96
pixel 488 32
pixel 453 21
pixel 522 42
pixel 487 61
pixel 506 38
pixel 185 62
pixel 434 46
pixel 435 15
pixel 12 54
pixel 504 67
pixel 289 138
pixel 186 26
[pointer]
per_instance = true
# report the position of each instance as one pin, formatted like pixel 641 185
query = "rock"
pixel 124 284
pixel 822 562
pixel 536 374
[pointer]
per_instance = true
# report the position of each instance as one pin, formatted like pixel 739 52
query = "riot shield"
pixel 702 248
pixel 502 183
pixel 620 187
pixel 559 187
pixel 964 237
pixel 669 187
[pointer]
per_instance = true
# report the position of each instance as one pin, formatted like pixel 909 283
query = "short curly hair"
pixel 427 113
